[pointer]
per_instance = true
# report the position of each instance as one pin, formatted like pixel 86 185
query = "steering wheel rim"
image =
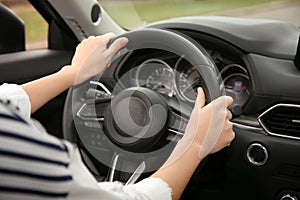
pixel 149 39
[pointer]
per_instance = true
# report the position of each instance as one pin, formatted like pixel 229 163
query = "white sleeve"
pixel 147 189
pixel 86 187
pixel 54 167
pixel 17 96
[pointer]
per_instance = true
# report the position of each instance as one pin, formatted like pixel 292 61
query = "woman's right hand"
pixel 208 131
pixel 209 127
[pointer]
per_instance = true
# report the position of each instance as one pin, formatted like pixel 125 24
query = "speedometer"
pixel 156 74
pixel 161 80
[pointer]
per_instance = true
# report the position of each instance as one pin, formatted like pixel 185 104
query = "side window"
pixel 22 27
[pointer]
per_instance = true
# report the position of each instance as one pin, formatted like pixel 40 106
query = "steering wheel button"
pixel 91 124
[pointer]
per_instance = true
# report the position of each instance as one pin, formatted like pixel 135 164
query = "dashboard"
pixel 258 70
pixel 172 75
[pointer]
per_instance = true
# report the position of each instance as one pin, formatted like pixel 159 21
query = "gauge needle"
pixel 191 86
pixel 157 84
pixel 228 87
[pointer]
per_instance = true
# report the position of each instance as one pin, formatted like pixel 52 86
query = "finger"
pixel 229 115
pixel 103 38
pixel 232 136
pixel 91 37
pixel 230 132
pixel 200 98
pixel 115 47
pixel 229 101
pixel 106 36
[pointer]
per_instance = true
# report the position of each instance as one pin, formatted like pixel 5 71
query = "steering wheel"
pixel 132 131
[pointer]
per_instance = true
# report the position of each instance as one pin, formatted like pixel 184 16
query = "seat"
pixel 12 32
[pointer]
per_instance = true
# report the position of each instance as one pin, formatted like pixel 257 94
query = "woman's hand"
pixel 208 131
pixel 92 56
pixel 209 127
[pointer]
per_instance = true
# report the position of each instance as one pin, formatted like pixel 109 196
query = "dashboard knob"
pixel 288 197
pixel 236 110
pixel 257 154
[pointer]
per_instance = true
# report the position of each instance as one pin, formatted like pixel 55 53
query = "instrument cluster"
pixel 177 77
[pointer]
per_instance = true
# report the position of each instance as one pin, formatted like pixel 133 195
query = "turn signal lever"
pixel 236 110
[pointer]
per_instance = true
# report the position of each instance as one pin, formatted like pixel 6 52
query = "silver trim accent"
pixel 101 85
pixel 174 138
pixel 231 66
pixel 176 132
pixel 268 110
pixel 138 71
pixel 113 168
pixel 240 126
pixel 291 197
pixel 236 74
pixel 251 160
pixel 136 174
pixel 296 121
pixel 246 127
pixel 101 119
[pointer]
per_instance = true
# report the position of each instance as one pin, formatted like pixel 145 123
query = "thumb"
pixel 200 101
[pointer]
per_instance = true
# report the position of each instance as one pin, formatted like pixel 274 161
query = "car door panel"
pixel 25 66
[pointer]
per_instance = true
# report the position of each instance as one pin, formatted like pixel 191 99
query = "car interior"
pixel 255 61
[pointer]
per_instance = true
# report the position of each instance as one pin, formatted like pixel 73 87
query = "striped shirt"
pixel 35 165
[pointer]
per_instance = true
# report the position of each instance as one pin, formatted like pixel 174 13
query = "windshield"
pixel 136 13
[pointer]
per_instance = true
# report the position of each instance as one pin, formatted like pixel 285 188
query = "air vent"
pixel 282 120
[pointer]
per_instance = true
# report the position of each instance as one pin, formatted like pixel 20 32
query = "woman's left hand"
pixel 92 56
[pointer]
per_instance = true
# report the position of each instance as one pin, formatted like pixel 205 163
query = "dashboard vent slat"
pixel 282 120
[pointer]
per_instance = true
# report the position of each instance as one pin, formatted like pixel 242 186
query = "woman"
pixel 35 165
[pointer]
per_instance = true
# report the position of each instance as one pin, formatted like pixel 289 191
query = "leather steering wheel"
pixel 127 133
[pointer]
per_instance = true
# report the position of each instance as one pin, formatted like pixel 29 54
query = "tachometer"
pixel 188 82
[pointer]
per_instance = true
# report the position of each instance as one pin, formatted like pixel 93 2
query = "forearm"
pixel 178 173
pixel 42 90
pixel 91 58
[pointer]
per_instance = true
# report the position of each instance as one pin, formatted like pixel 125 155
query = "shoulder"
pixel 17 96
pixel 19 129
pixel 31 163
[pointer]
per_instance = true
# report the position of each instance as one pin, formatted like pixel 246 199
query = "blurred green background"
pixel 153 10
pixel 145 11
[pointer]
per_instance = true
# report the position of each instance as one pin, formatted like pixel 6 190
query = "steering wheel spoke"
pixel 112 169
pixel 93 111
pixel 122 166
pixel 179 114
pixel 137 173
pixel 96 100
